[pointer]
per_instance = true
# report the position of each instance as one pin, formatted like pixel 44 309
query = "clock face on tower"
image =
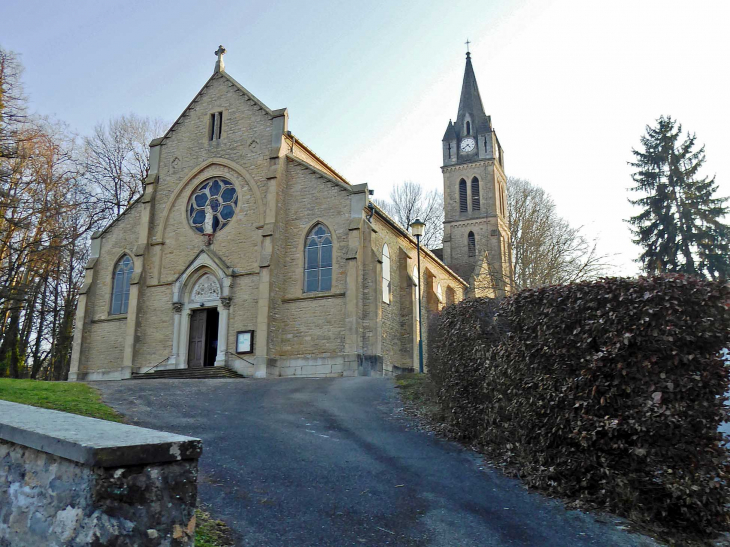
pixel 467 144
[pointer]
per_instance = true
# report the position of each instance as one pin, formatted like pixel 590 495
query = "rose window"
pixel 212 206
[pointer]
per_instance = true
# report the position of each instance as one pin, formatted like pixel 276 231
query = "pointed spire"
pixel 471 103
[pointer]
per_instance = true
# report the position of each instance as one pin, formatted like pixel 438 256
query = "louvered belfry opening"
pixel 475 202
pixel 471 245
pixel 463 200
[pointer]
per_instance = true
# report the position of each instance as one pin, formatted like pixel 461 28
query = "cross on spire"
pixel 467 45
pixel 219 66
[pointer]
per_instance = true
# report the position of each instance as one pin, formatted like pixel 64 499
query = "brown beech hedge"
pixel 609 392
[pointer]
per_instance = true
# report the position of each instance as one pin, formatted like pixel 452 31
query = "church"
pixel 248 251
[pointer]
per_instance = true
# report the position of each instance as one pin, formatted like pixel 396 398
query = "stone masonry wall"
pixel 245 140
pixel 104 334
pixel 398 323
pixel 311 323
pixel 51 501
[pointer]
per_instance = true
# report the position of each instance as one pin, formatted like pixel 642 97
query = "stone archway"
pixel 204 285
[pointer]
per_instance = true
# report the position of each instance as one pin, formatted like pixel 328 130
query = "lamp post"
pixel 417 228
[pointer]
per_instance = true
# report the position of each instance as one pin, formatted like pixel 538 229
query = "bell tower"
pixel 476 241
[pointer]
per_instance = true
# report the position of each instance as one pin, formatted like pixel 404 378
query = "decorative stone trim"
pixel 315 296
pixel 120 317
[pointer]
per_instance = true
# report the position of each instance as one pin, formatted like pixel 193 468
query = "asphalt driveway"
pixel 299 462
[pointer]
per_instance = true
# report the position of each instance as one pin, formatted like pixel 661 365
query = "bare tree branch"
pixel 546 250
pixel 408 202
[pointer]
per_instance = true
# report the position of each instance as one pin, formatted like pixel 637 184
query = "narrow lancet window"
pixel 463 199
pixel 475 202
pixel 468 128
pixel 123 271
pixel 386 274
pixel 318 260
pixel 471 245
pixel 215 126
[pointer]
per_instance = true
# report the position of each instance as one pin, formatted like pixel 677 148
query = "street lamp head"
pixel 417 228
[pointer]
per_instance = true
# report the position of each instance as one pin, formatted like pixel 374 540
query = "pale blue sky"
pixel 370 86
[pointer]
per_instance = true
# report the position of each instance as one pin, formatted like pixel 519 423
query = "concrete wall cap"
pixel 90 441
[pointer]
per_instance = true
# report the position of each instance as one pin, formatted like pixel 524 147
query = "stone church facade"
pixel 247 250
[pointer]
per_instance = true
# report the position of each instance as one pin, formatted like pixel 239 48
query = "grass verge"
pixel 417 394
pixel 210 532
pixel 76 398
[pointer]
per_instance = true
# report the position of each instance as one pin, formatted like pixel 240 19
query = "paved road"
pixel 298 462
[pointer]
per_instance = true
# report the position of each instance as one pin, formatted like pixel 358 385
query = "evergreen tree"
pixel 680 227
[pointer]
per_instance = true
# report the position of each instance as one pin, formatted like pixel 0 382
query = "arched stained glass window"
pixel 475 202
pixel 386 274
pixel 318 260
pixel 123 271
pixel 471 245
pixel 463 199
pixel 215 201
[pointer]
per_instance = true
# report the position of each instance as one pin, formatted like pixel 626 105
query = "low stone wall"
pixel 67 480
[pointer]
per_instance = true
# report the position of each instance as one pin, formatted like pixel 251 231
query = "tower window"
pixel 215 126
pixel 471 245
pixel 463 200
pixel 475 202
pixel 468 128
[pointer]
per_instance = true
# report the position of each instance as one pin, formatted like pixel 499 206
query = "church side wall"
pixel 104 335
pixel 399 342
pixel 397 318
pixel 310 334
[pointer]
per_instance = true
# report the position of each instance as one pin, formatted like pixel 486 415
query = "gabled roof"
pixel 246 92
pixel 405 233
pixel 327 176
pixel 301 151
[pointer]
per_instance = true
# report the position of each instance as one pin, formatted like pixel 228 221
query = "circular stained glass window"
pixel 212 206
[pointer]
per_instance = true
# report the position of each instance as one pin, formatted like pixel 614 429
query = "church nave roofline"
pixel 385 217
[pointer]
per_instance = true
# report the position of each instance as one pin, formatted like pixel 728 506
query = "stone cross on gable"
pixel 219 66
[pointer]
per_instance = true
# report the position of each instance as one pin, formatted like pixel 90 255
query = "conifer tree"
pixel 680 226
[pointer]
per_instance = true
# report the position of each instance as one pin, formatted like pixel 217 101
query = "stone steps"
pixel 188 374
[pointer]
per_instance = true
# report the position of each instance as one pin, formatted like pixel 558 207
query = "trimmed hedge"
pixel 609 392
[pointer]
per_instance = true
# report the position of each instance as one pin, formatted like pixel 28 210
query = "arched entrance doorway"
pixel 201 304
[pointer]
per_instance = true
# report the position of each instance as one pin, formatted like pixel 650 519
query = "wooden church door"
pixel 196 349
